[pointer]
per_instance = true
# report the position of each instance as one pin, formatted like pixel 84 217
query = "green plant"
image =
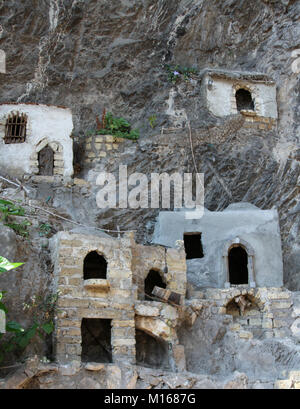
pixel 152 121
pixel 20 228
pixel 44 229
pixel 118 127
pixel 11 326
pixel 43 312
pixel 177 72
pixel 8 208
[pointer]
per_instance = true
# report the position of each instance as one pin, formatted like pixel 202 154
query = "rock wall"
pixel 88 55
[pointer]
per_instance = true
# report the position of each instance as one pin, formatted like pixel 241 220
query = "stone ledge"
pixel 96 284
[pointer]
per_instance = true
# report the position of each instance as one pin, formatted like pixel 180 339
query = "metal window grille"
pixel 15 128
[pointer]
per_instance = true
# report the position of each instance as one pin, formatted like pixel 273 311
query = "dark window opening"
pixel 151 352
pixel 193 245
pixel 15 128
pixel 94 266
pixel 238 266
pixel 153 280
pixel 96 340
pixel 46 161
pixel 244 100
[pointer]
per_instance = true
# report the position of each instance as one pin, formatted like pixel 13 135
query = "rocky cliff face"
pixel 89 55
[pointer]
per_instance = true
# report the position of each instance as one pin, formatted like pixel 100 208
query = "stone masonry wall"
pixel 116 296
pixel 270 315
pixel 114 300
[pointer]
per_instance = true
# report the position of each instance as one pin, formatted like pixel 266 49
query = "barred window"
pixel 15 128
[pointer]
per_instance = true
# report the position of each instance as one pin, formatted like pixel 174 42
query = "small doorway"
pixel 46 161
pixel 238 265
pixel 244 100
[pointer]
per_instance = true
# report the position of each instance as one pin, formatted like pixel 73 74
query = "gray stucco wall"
pixel 259 228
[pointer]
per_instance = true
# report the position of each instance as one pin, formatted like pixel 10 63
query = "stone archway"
pixel 58 161
pixel 248 251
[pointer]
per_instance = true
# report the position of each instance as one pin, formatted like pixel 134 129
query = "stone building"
pixel 251 94
pixel 108 311
pixel 238 246
pixel 35 140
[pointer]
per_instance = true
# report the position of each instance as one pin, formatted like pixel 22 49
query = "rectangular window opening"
pixel 96 340
pixel 193 245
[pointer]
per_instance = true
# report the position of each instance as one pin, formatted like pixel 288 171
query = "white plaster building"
pixel 230 92
pixel 238 246
pixel 35 140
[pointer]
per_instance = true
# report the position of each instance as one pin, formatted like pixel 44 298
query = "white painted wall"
pixel 43 122
pixel 259 228
pixel 221 96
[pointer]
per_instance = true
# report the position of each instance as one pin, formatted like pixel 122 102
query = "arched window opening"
pixel 238 265
pixel 15 128
pixel 244 100
pixel 151 352
pixel 94 266
pixel 46 161
pixel 96 340
pixel 153 279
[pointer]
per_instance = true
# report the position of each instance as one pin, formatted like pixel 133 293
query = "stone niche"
pixel 238 246
pixel 35 140
pixel 101 284
pixel 250 94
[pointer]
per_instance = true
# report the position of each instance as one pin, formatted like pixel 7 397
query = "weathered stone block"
pixel 113 377
pixel 283 384
pixel 279 323
pixel 179 357
pixel 94 366
pixel 146 310
pixel 255 322
pixel 125 323
pixel 122 342
pixel 245 334
pixel 267 323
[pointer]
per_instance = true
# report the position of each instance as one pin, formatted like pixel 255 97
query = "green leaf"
pixel 6 265
pixel 3 308
pixel 12 326
pixel 27 337
pixel 48 327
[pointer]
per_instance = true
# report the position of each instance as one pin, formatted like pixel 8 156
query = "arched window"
pixel 244 100
pixel 238 265
pixel 94 266
pixel 46 161
pixel 153 279
pixel 15 128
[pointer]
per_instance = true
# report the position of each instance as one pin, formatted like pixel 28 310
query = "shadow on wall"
pixel 151 352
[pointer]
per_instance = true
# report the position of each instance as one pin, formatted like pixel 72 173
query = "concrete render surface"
pixel 239 222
